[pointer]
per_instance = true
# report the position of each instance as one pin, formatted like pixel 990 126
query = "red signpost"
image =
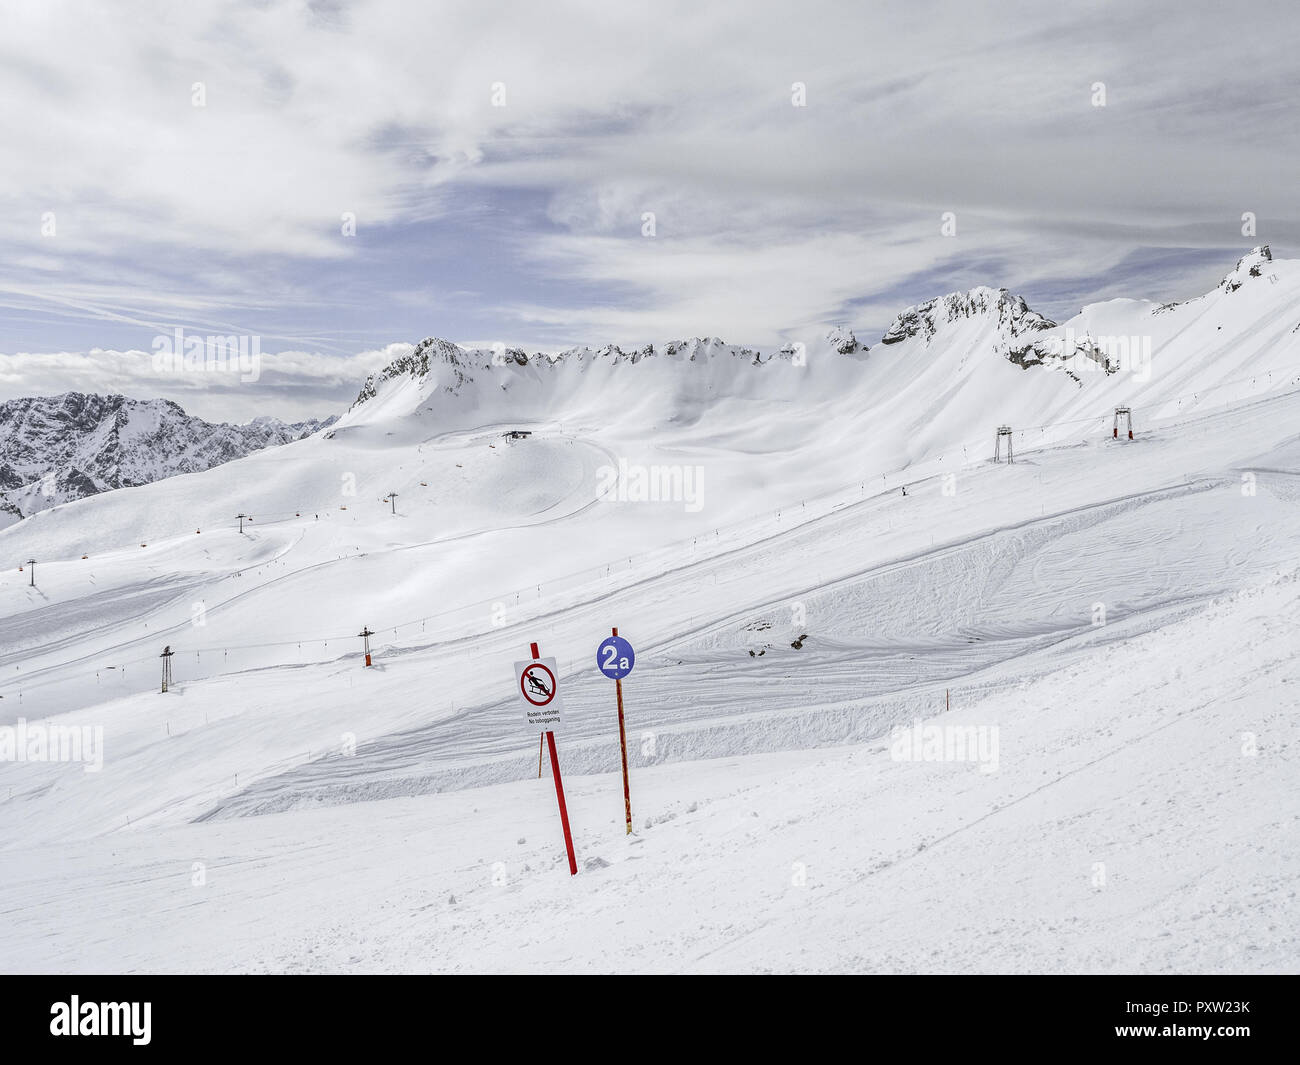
pixel 564 810
pixel 555 761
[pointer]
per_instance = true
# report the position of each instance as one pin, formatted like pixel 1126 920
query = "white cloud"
pixel 292 385
pixel 770 217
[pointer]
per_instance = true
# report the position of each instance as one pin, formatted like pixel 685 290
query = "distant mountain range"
pixel 54 449
pixel 963 355
pixel 946 368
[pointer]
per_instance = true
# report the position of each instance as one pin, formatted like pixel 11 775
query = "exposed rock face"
pixel 924 320
pixel 54 449
pixel 843 341
pixel 1248 266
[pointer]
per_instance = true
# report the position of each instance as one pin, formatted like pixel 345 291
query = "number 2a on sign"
pixel 615 657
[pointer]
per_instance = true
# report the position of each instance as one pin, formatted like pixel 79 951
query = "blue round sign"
pixel 615 658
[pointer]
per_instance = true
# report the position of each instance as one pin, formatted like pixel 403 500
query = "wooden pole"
pixel 622 743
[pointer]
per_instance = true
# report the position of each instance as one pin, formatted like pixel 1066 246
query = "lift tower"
pixel 1127 414
pixel 1003 430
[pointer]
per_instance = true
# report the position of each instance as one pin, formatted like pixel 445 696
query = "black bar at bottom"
pixel 382 1015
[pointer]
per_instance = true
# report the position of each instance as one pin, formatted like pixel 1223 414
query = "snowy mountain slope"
pixel 806 602
pixel 809 422
pixel 471 506
pixel 889 622
pixel 969 358
pixel 1123 831
pixel 54 449
pixel 1013 315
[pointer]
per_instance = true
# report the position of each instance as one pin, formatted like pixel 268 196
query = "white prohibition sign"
pixel 537 684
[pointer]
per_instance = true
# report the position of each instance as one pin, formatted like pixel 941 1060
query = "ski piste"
pixel 826 650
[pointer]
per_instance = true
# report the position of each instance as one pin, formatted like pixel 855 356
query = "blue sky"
pixel 499 160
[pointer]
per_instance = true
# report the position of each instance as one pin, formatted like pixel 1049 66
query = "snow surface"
pixel 392 819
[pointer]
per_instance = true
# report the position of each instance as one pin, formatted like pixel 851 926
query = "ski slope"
pixel 1123 832
pixel 336 810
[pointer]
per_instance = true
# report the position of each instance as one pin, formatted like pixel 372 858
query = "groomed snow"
pixel 336 811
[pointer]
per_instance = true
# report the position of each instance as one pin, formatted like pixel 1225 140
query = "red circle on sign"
pixel 523 684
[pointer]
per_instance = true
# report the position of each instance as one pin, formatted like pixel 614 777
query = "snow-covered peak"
pixel 435 364
pixel 692 349
pixel 55 449
pixel 843 341
pixel 1011 313
pixel 958 350
pixel 1248 266
pixel 428 356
